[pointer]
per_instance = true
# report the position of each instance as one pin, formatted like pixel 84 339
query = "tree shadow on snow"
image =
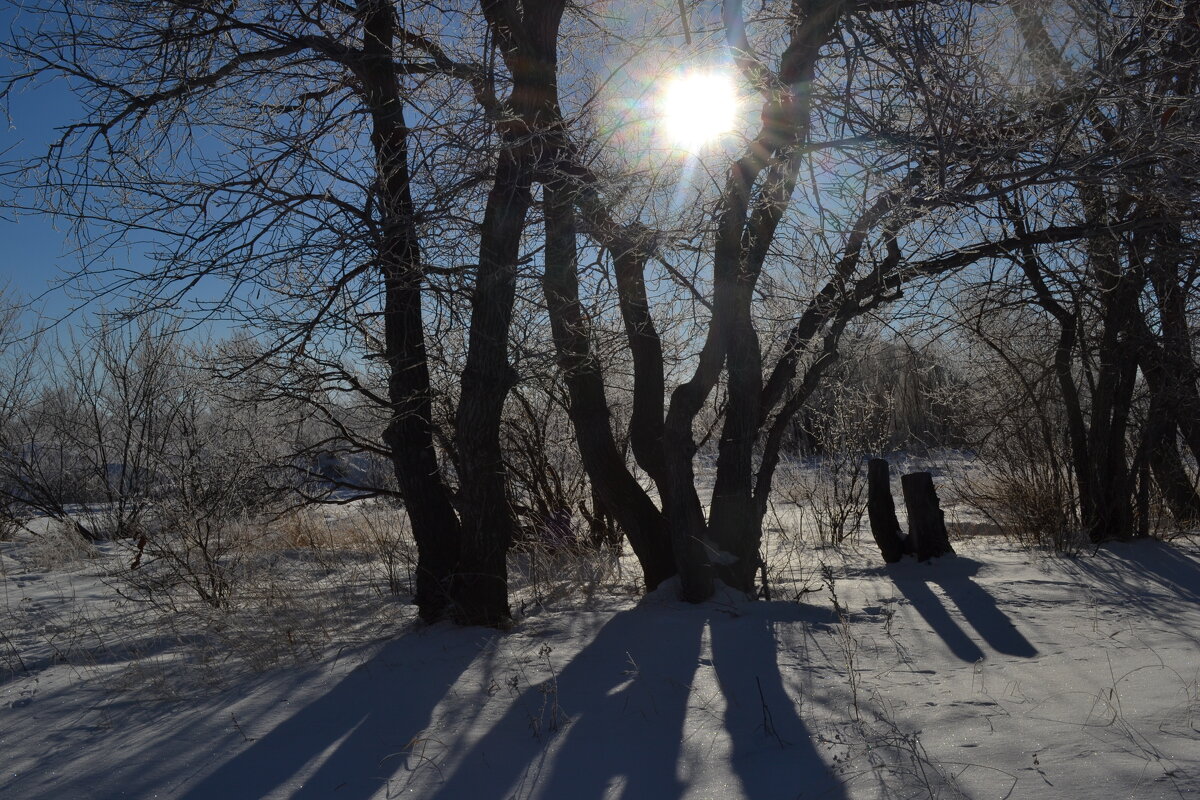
pixel 760 716
pixel 633 679
pixel 358 732
pixel 953 575
pixel 1145 569
pixel 625 700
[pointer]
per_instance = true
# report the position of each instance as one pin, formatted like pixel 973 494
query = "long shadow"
pixel 760 716
pixel 142 648
pixel 634 677
pixel 360 726
pixel 978 607
pixel 930 607
pixel 1159 563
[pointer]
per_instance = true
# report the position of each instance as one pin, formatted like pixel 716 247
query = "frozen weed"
pixel 790 571
pixel 56 545
pixel 847 643
pixel 875 754
pixel 546 575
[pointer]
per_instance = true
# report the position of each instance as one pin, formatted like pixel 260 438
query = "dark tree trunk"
pixel 881 510
pixel 1141 507
pixel 1108 504
pixel 528 40
pixel 1174 401
pixel 629 250
pixel 684 514
pixel 926 522
pixel 1173 272
pixel 662 440
pixel 746 230
pixel 603 532
pixel 1167 362
pixel 645 347
pixel 1064 352
pixel 1171 477
pixel 480 588
pixel 614 488
pixel 409 434
pixel 611 480
pixel 734 521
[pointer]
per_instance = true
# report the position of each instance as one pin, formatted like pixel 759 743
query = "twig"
pixel 768 720
pixel 239 729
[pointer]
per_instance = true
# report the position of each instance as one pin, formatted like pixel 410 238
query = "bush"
pixel 846 425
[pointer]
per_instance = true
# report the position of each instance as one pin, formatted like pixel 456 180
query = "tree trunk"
pixel 611 480
pixel 926 522
pixel 734 522
pixel 685 517
pixel 662 440
pixel 645 347
pixel 1108 508
pixel 1141 507
pixel 481 586
pixel 1171 477
pixel 409 433
pixel 881 510
pixel 528 42
pixel 603 531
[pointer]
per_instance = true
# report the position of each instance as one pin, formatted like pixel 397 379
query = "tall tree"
pixel 255 147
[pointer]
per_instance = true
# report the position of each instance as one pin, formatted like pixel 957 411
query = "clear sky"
pixel 34 250
pixel 36 253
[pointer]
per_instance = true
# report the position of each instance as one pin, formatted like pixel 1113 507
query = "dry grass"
pixel 301 585
pixel 56 545
pixel 545 576
pixel 967 530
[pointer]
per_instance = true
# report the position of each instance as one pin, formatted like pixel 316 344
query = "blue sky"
pixel 34 250
pixel 37 252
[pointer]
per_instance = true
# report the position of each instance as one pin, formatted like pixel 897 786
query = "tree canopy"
pixel 422 207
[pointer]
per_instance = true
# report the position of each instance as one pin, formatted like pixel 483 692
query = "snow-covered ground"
pixel 997 673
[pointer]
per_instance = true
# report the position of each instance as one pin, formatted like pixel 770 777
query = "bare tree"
pixel 259 147
pixel 368 186
pixel 1116 298
pixel 919 178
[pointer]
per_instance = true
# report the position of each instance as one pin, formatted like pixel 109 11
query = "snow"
pixel 997 673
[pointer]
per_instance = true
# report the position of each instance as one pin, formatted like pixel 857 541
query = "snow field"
pixel 997 673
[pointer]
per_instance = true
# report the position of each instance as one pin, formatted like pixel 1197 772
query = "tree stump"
pixel 926 522
pixel 881 510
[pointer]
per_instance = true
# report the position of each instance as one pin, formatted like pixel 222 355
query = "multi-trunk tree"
pixel 1119 298
pixel 370 186
pixel 257 148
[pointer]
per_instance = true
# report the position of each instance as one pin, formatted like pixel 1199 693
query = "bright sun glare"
pixel 697 108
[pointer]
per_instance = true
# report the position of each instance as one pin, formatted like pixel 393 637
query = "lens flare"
pixel 697 107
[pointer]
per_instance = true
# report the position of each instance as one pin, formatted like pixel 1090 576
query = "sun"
pixel 697 107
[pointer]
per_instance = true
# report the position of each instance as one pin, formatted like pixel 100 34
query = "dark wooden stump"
pixel 926 522
pixel 882 511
